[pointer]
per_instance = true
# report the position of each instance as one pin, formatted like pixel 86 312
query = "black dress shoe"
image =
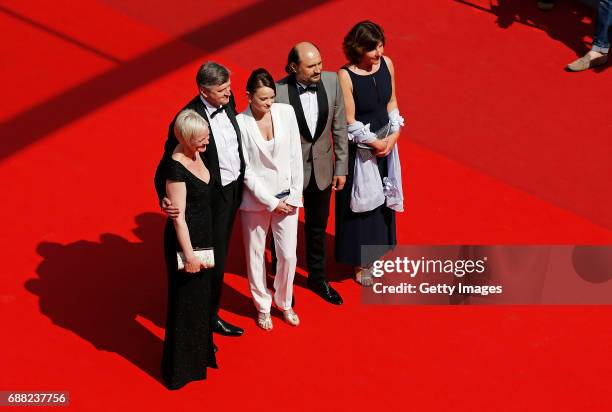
pixel 324 289
pixel 226 329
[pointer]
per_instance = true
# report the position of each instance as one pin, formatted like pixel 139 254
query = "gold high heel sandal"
pixel 264 321
pixel 364 277
pixel 291 317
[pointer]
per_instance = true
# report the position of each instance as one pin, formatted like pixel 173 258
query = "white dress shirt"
pixel 310 107
pixel 226 142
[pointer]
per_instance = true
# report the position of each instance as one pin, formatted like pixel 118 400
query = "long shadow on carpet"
pixel 98 289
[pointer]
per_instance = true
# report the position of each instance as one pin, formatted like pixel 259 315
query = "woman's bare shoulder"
pixel 389 62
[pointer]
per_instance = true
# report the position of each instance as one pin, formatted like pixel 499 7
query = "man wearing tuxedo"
pixel 224 159
pixel 317 100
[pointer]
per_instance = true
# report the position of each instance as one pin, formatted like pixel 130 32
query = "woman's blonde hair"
pixel 189 124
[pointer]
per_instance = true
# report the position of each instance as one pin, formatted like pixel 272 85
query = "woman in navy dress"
pixel 368 86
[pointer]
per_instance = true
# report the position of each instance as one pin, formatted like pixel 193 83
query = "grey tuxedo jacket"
pixel 317 151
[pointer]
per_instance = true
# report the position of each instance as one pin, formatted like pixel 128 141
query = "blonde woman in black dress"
pixel 188 344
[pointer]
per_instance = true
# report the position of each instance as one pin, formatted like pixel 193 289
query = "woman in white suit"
pixel 273 193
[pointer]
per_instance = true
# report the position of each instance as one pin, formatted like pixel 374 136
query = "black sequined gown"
pixel 188 344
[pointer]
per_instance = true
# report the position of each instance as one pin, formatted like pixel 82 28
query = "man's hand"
pixel 171 211
pixel 338 182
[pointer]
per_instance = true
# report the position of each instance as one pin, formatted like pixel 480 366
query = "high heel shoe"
pixel 291 317
pixel 264 321
pixel 364 277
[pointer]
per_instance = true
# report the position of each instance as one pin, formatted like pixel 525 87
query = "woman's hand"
pixel 283 208
pixel 193 264
pixel 387 149
pixel 391 141
pixel 378 144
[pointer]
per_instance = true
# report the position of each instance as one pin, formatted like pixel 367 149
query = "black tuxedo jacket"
pixel 210 156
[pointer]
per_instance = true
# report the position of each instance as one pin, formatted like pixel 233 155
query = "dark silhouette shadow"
pixel 566 23
pixel 58 111
pixel 97 289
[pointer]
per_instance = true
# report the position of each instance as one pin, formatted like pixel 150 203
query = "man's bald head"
pixel 306 49
pixel 304 61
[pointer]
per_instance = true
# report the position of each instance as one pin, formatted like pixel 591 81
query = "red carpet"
pixel 501 146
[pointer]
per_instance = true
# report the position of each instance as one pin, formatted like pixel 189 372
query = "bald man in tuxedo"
pixel 316 97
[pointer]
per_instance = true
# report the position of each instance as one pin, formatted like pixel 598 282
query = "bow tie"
pixel 216 112
pixel 302 90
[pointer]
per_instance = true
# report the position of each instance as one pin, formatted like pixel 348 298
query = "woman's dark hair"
pixel 260 78
pixel 363 37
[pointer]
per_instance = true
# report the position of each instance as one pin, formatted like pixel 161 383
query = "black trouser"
pixel 224 214
pixel 316 214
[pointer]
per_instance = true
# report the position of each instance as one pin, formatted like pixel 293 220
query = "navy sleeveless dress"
pixel 371 94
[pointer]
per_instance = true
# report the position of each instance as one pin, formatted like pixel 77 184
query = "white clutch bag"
pixel 206 255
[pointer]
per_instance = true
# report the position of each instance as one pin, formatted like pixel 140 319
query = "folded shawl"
pixel 370 191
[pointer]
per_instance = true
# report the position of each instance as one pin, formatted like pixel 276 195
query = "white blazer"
pixel 267 175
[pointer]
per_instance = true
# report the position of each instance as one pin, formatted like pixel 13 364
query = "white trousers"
pixel 254 230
